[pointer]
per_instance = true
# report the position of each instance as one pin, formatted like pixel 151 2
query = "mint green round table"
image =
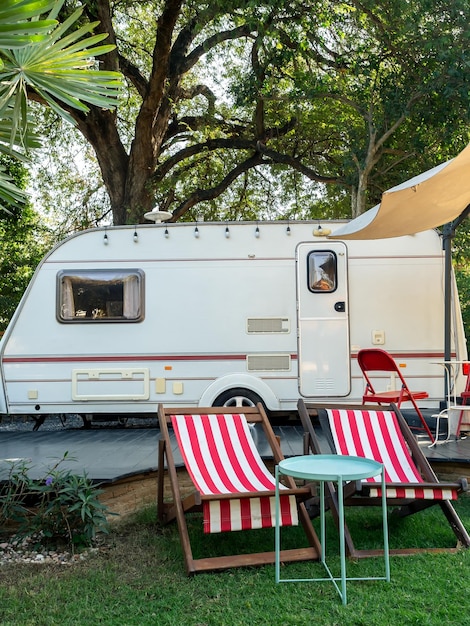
pixel 323 468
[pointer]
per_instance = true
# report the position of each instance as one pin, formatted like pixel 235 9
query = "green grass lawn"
pixel 138 578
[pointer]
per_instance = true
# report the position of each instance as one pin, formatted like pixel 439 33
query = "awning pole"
pixel 448 233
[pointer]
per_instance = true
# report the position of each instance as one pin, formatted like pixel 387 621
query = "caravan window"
pixel 322 271
pixel 100 296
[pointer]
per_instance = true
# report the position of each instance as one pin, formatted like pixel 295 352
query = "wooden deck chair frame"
pixel 177 507
pixel 378 360
pixel 358 494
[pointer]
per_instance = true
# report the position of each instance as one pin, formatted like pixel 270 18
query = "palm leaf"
pixel 58 63
pixel 18 23
pixel 29 140
pixel 62 70
pixel 17 10
pixel 10 194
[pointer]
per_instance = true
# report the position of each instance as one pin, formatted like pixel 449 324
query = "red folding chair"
pixel 377 360
pixel 465 395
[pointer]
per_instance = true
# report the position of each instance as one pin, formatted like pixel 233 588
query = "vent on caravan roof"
pixel 268 362
pixel 268 325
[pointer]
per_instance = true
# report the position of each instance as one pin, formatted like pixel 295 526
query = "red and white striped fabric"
pixel 377 435
pixel 221 458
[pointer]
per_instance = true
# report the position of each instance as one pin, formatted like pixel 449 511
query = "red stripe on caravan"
pixel 182 357
pixel 127 358
pixel 415 355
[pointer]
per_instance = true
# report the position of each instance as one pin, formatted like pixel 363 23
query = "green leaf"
pixel 10 194
pixel 15 31
pixel 60 69
pixel 43 56
pixel 16 10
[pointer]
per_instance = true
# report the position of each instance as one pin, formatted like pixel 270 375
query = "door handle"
pixel 340 307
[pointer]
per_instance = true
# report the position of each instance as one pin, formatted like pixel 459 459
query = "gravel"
pixel 30 550
pixel 26 552
pixel 52 422
pixel 71 421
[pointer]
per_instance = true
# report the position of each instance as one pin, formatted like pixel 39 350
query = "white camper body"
pixel 118 320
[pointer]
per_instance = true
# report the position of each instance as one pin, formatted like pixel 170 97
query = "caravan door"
pixel 323 319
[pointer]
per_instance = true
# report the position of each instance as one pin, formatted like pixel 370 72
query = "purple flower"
pixel 49 481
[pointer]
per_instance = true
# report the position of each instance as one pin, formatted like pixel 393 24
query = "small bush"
pixel 60 507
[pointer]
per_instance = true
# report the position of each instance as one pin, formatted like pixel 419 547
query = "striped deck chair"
pixel 230 482
pixel 383 435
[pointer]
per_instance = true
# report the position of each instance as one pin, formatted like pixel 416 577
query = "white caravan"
pixel 118 320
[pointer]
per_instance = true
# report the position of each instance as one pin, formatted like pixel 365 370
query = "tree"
pixel 44 59
pixel 24 240
pixel 460 258
pixel 230 95
pixel 387 82
pixel 226 99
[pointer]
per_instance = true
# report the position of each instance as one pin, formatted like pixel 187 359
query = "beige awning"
pixel 429 200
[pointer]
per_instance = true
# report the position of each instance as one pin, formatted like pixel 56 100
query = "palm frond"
pixel 10 194
pixel 54 60
pixel 62 69
pixel 19 25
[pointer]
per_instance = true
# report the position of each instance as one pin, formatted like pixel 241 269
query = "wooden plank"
pixel 247 560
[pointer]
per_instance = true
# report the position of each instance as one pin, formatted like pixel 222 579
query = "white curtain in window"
pixel 67 306
pixel 131 306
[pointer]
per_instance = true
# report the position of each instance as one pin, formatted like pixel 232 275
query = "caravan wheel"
pixel 237 397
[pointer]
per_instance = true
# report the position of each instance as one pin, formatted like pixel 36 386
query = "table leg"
pixel 385 528
pixel 342 546
pixel 277 530
pixel 322 524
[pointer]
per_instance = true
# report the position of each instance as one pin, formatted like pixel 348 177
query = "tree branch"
pixel 235 143
pixel 201 195
pixel 161 52
pixel 211 42
pixel 295 163
pixel 200 90
pixel 133 74
pixel 101 12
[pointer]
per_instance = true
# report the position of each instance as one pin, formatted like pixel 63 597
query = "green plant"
pixel 13 494
pixel 61 506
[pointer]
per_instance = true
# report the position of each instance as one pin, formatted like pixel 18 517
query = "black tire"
pixel 237 397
